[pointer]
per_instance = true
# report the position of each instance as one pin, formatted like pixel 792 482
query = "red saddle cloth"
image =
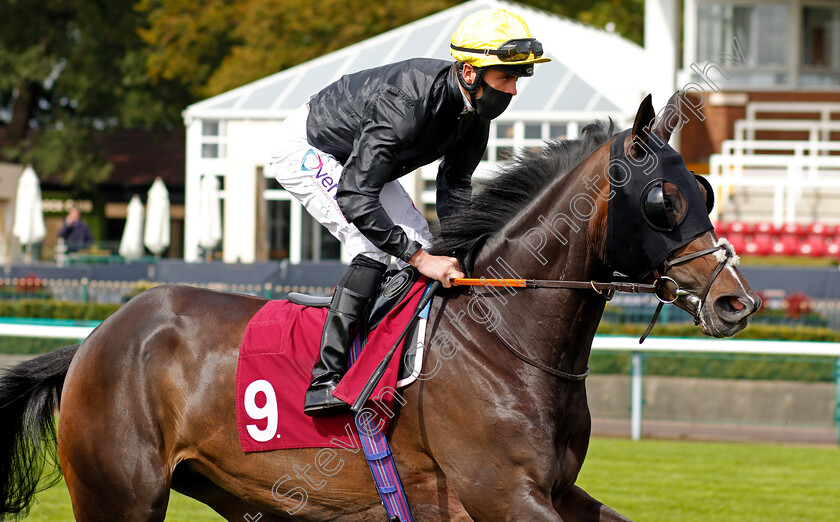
pixel 279 348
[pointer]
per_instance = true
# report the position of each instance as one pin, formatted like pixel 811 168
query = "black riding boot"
pixel 349 303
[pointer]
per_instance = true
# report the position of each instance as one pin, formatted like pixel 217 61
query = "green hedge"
pixel 32 345
pixel 52 309
pixel 720 366
pixel 48 309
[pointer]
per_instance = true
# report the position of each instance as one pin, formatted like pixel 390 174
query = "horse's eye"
pixel 663 205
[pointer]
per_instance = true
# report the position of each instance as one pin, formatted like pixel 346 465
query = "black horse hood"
pixel 657 207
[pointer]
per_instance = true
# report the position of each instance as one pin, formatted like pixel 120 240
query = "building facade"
pixel 738 52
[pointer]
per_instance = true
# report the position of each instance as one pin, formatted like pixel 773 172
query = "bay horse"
pixel 146 402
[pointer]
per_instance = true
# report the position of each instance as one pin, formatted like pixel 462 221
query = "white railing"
pixel 796 166
pixel 671 344
pixel 795 147
pixel 818 130
pixel 825 110
pixel 45 329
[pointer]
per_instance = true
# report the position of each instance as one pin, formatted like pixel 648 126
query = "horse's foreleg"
pixel 193 484
pixel 575 504
pixel 510 497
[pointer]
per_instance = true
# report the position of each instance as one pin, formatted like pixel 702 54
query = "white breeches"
pixel 312 175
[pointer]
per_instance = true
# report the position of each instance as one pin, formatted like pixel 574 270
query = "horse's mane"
pixel 518 183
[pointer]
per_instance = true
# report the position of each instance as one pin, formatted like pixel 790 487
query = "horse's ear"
pixel 641 127
pixel 662 128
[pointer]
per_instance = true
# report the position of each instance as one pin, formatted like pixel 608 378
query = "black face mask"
pixel 653 213
pixel 492 102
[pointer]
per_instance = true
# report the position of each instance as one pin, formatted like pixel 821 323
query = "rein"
pixel 609 288
pixel 607 291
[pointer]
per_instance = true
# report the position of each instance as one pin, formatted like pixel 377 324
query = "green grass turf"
pixel 53 505
pixel 653 481
pixel 692 481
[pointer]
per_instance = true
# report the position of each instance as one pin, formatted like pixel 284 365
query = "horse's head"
pixel 658 228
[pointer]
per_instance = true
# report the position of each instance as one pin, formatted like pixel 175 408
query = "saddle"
pixel 395 285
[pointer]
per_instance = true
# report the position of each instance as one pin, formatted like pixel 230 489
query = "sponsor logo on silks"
pixel 312 162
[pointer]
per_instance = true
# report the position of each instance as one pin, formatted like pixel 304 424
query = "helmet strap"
pixel 472 89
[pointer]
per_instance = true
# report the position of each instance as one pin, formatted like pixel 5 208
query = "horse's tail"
pixel 29 396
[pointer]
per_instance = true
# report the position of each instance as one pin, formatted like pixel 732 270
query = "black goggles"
pixel 663 205
pixel 511 51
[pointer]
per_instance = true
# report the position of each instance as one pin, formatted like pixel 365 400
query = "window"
pixel 210 128
pixel 504 130
pixel 277 228
pixel 785 43
pixel 820 60
pixel 316 241
pixel 507 138
pixel 212 139
pixel 533 131
pixel 209 150
pixel 761 31
pixel 503 147
pixel 558 131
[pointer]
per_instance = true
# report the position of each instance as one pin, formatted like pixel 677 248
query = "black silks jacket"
pixel 385 122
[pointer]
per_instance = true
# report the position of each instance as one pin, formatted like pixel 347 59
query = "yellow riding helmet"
pixel 495 37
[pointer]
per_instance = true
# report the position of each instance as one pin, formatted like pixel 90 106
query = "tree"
pixel 627 15
pixel 187 41
pixel 228 43
pixel 70 72
pixel 73 70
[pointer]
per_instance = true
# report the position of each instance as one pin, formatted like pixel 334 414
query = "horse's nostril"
pixel 736 303
pixel 732 308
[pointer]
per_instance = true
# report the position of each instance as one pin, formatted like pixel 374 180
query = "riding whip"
pixel 377 374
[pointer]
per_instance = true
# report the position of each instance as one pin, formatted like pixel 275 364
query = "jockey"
pixel 342 152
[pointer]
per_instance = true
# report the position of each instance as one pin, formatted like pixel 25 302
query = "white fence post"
pixel 636 398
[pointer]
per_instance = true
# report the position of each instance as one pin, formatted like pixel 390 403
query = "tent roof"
pixel 591 69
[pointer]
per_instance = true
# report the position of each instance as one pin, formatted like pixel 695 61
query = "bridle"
pixel 608 290
pixel 660 275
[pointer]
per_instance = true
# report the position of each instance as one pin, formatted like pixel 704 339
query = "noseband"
pixel 608 290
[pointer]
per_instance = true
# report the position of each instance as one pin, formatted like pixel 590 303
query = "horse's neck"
pixel 550 240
